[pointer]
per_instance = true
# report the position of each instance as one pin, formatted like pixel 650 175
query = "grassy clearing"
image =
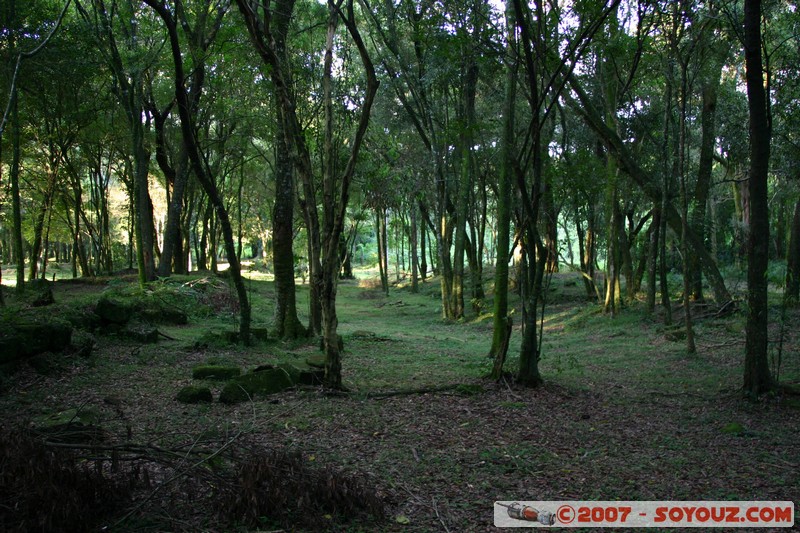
pixel 624 413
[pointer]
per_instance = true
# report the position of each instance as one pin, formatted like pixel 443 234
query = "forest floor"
pixel 624 413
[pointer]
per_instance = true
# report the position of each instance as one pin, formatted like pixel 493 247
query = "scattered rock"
pixel 249 386
pixel 83 343
pixel 193 394
pixel 215 372
pixel 113 311
pixel 141 333
pixel 164 315
pixel 41 292
pixel 316 360
pixel 18 340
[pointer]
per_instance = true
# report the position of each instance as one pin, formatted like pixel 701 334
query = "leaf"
pixel 402 519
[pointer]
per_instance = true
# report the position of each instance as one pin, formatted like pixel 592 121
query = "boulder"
pixel 164 315
pixel 192 394
pixel 141 333
pixel 113 311
pixel 25 339
pixel 40 292
pixel 83 343
pixel 256 384
pixel 220 372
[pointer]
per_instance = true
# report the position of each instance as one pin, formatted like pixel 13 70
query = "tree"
pixel 287 325
pixel 323 232
pixel 128 64
pixel 502 322
pixel 757 378
pixel 10 15
pixel 199 164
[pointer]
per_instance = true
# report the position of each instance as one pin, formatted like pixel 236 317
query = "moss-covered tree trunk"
pixel 287 325
pixel 501 330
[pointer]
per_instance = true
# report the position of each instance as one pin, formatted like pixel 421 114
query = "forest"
pixel 372 265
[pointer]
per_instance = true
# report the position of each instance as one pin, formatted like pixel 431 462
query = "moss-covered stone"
pixel 113 311
pixel 83 343
pixel 220 372
pixel 24 339
pixel 42 363
pixel 40 292
pixel 141 333
pixel 470 389
pixel 164 315
pixel 256 384
pixel 193 394
pixel 311 376
pixel 316 360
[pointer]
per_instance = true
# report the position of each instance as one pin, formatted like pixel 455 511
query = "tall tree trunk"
pixel 502 323
pixel 414 252
pixel 423 258
pixel 383 249
pixel 287 325
pixel 171 257
pixel 703 186
pixel 686 260
pixel 757 378
pixel 464 192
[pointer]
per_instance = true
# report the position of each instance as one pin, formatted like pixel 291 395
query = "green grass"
pixel 625 413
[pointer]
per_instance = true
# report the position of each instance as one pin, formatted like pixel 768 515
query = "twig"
pixel 165 335
pixel 436 510
pixel 508 386
pixel 194 465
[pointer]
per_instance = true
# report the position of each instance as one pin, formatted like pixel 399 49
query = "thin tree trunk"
pixel 652 259
pixel 792 293
pixel 16 204
pixel 414 251
pixel 501 326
